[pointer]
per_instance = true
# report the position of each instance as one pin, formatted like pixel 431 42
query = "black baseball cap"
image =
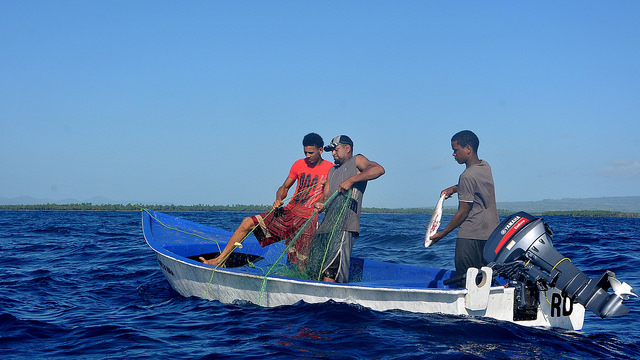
pixel 340 139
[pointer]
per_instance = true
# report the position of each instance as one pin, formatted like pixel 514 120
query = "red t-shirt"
pixel 309 187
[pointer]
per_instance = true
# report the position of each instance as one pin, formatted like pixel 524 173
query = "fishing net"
pixel 326 241
pixel 323 246
pixel 304 254
pixel 321 249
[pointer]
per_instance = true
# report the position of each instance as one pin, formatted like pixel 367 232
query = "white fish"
pixel 434 224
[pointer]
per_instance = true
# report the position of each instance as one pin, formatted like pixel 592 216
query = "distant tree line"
pixel 264 208
pixel 592 213
pixel 136 207
pixel 200 207
pixel 446 211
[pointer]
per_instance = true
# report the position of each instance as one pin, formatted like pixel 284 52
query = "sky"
pixel 207 102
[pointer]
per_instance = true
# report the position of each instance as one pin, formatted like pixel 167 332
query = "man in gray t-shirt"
pixel 477 214
pixel 351 172
pixel 475 186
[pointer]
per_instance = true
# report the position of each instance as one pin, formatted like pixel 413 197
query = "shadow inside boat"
pixel 234 259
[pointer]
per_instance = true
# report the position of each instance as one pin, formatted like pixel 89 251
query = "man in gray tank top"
pixel 477 214
pixel 350 172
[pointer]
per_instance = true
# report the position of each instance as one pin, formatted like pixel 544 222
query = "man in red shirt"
pixel 283 223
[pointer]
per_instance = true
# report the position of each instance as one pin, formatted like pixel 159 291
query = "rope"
pixel 178 230
pixel 260 221
pixel 293 240
pixel 333 231
pixel 264 279
pixel 239 243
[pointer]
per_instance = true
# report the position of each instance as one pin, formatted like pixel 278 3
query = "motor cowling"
pixel 523 239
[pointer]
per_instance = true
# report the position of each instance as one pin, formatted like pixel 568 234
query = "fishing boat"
pixel 178 243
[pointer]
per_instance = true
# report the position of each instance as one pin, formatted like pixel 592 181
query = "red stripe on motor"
pixel 513 229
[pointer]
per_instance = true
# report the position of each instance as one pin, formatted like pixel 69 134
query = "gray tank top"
pixel 337 175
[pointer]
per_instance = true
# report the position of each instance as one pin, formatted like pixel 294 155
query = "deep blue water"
pixel 85 285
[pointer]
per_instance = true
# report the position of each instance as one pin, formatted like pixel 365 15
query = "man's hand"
pixel 437 237
pixel 449 191
pixel 277 204
pixel 345 186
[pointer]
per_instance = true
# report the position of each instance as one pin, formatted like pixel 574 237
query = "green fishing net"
pixel 326 241
pixel 324 244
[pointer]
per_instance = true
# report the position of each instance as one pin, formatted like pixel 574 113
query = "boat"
pixel 382 286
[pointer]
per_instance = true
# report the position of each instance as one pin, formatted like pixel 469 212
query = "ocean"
pixel 85 285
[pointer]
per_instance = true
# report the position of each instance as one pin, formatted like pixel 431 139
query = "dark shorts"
pixel 338 268
pixel 282 224
pixel 469 254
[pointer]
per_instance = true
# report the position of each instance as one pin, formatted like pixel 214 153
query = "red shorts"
pixel 283 224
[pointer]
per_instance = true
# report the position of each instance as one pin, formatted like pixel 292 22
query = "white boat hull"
pixel 229 286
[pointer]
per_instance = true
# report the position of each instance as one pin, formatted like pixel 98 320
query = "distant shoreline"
pixel 264 208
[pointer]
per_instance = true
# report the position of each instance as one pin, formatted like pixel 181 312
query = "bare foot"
pixel 213 262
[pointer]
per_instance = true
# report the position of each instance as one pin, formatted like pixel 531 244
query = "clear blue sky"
pixel 191 102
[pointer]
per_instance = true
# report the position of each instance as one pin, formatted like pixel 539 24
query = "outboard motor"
pixel 521 247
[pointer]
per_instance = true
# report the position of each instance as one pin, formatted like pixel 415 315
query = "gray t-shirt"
pixel 476 186
pixel 337 175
